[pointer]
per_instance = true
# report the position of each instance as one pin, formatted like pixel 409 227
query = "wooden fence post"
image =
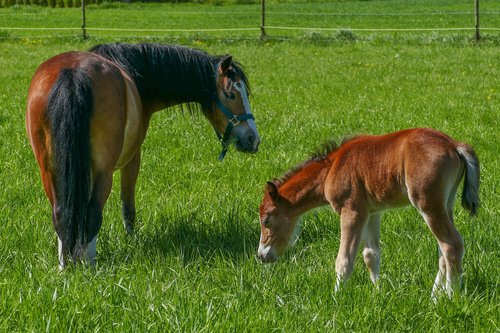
pixel 263 19
pixel 83 21
pixel 478 35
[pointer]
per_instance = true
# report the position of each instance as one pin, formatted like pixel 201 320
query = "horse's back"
pixel 116 124
pixel 386 169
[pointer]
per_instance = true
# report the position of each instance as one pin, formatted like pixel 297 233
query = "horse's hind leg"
pixel 371 252
pixel 129 175
pixel 351 229
pixel 100 193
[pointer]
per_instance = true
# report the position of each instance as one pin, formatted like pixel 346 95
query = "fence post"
pixel 263 19
pixel 478 36
pixel 83 21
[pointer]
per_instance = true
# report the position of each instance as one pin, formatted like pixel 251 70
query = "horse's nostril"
pixel 251 139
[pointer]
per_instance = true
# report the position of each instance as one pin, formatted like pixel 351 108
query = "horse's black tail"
pixel 69 108
pixel 470 194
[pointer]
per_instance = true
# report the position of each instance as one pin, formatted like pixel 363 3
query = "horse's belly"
pixel 135 126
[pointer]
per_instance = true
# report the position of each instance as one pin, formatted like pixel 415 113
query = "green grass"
pixel 191 265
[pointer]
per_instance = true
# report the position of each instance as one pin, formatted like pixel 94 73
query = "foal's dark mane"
pixel 168 71
pixel 320 155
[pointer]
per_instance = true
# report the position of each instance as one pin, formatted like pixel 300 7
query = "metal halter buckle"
pixel 234 121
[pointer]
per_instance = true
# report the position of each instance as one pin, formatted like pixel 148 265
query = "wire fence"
pixel 273 22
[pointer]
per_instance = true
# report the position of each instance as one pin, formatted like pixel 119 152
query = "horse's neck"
pixel 182 90
pixel 305 188
pixel 171 101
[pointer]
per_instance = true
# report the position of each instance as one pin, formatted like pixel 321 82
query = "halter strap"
pixel 233 121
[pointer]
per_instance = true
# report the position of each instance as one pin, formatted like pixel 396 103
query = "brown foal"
pixel 366 176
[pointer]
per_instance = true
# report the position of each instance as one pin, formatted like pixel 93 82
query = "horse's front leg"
pixel 129 175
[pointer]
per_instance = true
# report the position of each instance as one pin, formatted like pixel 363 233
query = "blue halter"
pixel 233 121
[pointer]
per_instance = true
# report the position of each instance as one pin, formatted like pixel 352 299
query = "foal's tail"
pixel 470 194
pixel 69 107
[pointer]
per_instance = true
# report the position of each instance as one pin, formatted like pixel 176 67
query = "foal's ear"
pixel 225 63
pixel 273 190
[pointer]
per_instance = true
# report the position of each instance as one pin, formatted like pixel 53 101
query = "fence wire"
pixel 256 28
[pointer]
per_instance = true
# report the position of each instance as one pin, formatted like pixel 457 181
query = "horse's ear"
pixel 225 63
pixel 272 189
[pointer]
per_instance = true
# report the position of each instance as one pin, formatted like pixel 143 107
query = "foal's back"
pixel 380 172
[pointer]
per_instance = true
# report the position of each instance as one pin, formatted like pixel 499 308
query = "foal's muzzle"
pixel 266 254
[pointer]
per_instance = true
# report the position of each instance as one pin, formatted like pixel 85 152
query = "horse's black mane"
pixel 321 154
pixel 168 70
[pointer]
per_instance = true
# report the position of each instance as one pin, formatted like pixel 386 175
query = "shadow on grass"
pixel 188 238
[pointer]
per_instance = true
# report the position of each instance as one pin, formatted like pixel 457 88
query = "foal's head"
pixel 232 117
pixel 278 225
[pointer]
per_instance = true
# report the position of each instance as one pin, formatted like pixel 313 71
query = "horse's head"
pixel 232 119
pixel 278 228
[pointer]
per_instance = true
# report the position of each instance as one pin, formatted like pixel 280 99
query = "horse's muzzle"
pixel 248 141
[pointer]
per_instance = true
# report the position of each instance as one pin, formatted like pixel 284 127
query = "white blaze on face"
pixel 263 249
pixel 241 88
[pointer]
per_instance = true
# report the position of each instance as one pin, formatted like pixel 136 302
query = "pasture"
pixel 191 264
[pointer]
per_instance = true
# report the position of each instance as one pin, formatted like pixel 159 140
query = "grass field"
pixel 191 265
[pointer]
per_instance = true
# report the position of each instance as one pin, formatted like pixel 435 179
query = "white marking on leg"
pixel 371 252
pixel 343 269
pixel 372 260
pixel 338 282
pixel 60 253
pixel 439 282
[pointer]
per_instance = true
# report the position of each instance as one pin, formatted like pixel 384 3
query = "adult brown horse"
pixel 366 176
pixel 88 113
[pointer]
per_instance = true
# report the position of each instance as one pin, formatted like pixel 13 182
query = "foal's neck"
pixel 304 188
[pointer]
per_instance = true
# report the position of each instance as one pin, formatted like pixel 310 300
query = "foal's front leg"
pixel 371 252
pixel 129 175
pixel 351 229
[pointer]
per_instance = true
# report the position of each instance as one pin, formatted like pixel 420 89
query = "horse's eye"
pixel 229 95
pixel 231 74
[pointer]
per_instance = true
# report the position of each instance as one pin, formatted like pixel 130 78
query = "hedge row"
pixel 47 3
pixel 78 3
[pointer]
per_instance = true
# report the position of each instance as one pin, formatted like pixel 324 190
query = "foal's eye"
pixel 265 220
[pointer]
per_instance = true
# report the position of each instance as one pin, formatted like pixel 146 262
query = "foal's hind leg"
pixel 371 252
pixel 440 281
pixel 451 247
pixel 129 175
pixel 351 229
